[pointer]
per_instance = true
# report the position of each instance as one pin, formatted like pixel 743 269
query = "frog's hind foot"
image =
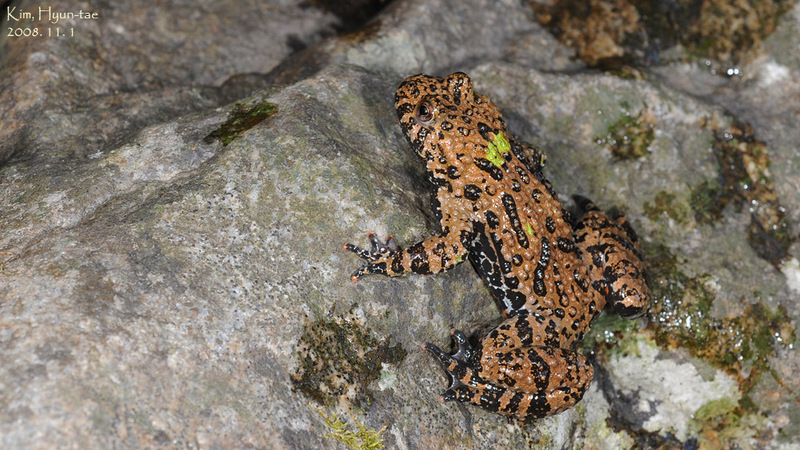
pixel 456 365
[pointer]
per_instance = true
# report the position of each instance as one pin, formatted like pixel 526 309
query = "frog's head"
pixel 445 120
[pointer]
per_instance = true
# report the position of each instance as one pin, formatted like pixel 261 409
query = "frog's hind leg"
pixel 615 259
pixel 523 382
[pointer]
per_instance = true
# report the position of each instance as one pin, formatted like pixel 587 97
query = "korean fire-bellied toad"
pixel 550 276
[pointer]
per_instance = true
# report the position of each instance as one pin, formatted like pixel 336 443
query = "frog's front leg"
pixel 524 382
pixel 428 257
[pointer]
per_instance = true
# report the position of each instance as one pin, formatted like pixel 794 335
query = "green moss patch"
pixel 354 435
pixel 744 181
pixel 729 32
pixel 629 137
pixel 613 34
pixel 680 316
pixel 611 334
pixel 242 118
pixel 666 204
pixel 724 423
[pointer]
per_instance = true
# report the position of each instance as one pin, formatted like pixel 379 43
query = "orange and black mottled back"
pixel 497 209
pixel 513 224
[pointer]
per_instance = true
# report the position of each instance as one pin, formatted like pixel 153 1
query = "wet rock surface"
pixel 177 182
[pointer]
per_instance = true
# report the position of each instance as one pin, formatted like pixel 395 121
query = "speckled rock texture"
pixel 177 182
pixel 87 84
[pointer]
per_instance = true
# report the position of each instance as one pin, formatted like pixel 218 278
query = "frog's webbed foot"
pixel 376 257
pixel 456 364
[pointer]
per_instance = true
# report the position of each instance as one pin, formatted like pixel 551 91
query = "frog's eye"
pixel 425 111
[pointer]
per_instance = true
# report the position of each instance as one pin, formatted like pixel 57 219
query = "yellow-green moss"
pixel 680 316
pixel 629 137
pixel 363 438
pixel 666 203
pixel 496 149
pixel 723 423
pixel 612 334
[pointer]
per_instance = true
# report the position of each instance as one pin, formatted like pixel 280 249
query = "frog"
pixel 550 272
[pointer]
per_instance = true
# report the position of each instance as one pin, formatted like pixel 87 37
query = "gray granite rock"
pixel 177 279
pixel 83 84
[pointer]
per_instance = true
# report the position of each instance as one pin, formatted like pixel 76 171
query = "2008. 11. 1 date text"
pixel 37 32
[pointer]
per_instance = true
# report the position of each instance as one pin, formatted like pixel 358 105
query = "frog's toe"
pixel 463 354
pixel 376 258
pixel 443 357
pixel 465 349
pixel 380 249
pixel 379 268
pixel 362 253
pixel 388 247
